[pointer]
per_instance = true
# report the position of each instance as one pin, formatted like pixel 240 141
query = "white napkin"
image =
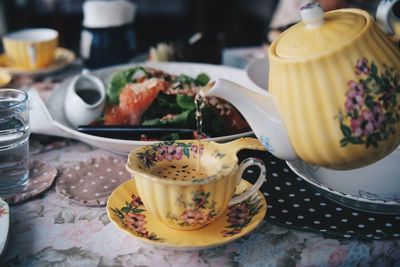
pixel 40 119
pixel 104 14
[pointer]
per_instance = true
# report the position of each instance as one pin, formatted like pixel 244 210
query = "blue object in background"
pixel 102 47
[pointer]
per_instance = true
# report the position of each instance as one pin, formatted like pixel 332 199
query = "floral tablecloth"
pixel 51 231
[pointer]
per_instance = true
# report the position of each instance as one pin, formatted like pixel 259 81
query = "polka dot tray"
pixel 41 177
pixel 295 203
pixel 90 182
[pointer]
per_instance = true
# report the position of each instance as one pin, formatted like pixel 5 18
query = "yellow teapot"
pixel 334 90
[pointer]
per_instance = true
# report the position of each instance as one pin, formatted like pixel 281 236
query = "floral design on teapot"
pixel 370 107
pixel 199 211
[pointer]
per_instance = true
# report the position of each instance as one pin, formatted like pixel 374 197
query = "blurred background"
pixel 242 22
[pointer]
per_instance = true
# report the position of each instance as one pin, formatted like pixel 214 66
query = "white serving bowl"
pixel 50 118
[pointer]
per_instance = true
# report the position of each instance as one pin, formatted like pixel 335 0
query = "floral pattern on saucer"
pixel 132 217
pixel 127 212
pixel 241 214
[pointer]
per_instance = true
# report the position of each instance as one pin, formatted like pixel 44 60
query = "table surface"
pixel 50 231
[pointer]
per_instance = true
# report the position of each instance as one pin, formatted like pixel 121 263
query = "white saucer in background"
pixel 374 188
pixel 257 71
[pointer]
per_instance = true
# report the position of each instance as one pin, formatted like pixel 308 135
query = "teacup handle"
pixel 260 180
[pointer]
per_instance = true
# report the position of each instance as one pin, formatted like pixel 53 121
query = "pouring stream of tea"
pixel 199 103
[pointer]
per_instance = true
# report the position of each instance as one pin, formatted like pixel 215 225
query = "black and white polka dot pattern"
pixel 294 203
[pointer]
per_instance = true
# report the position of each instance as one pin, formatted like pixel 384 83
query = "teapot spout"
pixel 260 111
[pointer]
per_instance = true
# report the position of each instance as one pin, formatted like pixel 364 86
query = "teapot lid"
pixel 319 33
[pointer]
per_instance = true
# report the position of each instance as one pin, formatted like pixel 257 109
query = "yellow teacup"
pixel 31 48
pixel 182 195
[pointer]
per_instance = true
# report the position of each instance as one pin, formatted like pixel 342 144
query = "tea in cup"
pixel 188 184
pixel 31 49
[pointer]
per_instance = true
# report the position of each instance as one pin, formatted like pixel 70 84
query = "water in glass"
pixel 14 140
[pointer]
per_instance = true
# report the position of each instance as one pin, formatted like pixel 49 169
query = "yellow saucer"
pixel 126 211
pixel 63 58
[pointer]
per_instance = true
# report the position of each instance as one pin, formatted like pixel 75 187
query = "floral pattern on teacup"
pixel 200 211
pixel 131 217
pixel 371 107
pixel 169 151
pixel 241 214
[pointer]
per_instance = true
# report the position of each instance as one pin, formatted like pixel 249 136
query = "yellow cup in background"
pixel 31 48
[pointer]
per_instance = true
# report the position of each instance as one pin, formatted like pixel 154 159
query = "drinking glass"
pixel 14 140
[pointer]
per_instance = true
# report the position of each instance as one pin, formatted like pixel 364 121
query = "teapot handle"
pixel 385 16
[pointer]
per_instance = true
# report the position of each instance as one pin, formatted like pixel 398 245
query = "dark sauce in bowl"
pixel 89 96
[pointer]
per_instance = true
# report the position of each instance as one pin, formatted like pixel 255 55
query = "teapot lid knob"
pixel 312 15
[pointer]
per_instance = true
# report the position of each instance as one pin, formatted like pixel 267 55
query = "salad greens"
pixel 118 82
pixel 168 109
pixel 185 115
pixel 122 78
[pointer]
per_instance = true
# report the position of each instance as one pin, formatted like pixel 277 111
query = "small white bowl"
pixel 85 99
